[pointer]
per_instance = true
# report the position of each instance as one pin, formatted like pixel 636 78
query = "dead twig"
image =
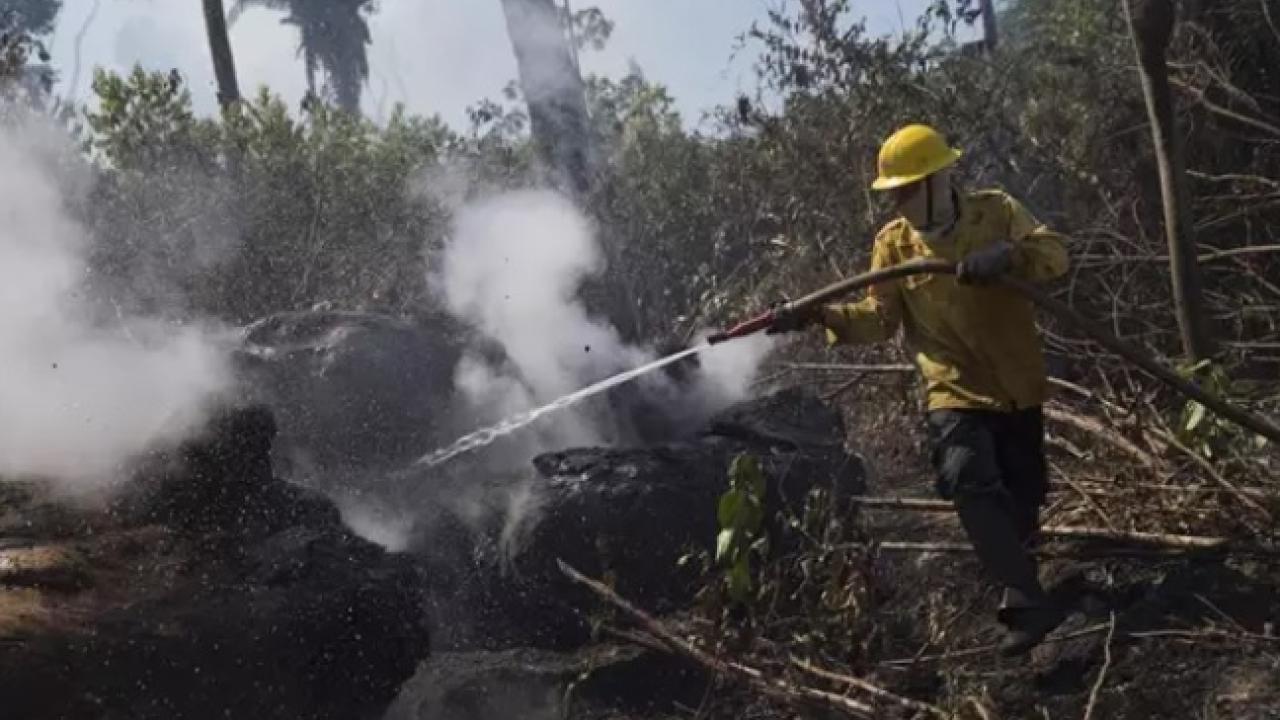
pixel 1088 499
pixel 1103 433
pixel 1252 421
pixel 985 649
pixel 773 687
pixel 965 548
pixel 1073 532
pixel 1102 674
pixel 1192 635
pixel 1146 538
pixel 1226 484
pixel 899 503
pixel 867 687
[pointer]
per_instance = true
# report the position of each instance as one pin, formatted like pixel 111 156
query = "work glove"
pixel 792 319
pixel 985 266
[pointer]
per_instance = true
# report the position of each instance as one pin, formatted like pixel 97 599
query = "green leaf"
pixel 740 580
pixel 724 544
pixel 1195 416
pixel 729 510
pixel 751 516
pixel 1189 371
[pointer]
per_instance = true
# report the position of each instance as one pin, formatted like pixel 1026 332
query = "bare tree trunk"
pixel 224 66
pixel 989 34
pixel 553 91
pixel 1151 24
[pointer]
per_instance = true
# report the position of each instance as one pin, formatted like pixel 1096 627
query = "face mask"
pixel 929 205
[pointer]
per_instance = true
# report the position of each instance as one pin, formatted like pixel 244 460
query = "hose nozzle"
pixel 763 321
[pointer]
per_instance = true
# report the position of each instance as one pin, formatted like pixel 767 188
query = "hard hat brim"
pixel 896 181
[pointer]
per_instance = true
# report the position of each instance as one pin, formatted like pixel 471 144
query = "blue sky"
pixel 436 56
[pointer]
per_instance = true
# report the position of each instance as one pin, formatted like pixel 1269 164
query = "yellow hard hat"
pixel 912 154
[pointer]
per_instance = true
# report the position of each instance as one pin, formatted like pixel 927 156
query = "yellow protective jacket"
pixel 976 347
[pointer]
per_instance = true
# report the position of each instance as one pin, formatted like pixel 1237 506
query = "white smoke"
pixel 79 400
pixel 376 524
pixel 512 269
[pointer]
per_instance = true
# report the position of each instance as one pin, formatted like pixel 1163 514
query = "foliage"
pixel 263 209
pixel 21 81
pixel 30 17
pixel 1203 430
pixel 740 513
pixel 263 212
pixel 591 28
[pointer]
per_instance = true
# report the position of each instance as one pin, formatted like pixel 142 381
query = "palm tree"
pixel 332 35
pixel 29 17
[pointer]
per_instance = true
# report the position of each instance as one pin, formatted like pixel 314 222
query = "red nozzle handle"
pixel 747 327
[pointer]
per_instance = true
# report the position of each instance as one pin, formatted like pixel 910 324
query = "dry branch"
pixel 1189 635
pixel 1101 432
pixel 897 503
pixel 1252 421
pixel 772 687
pixel 960 548
pixel 1085 533
pixel 1158 539
pixel 1102 674
pixel 869 688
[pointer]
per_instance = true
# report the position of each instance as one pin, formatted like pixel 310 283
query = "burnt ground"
pixel 209 589
pixel 1194 635
pixel 253 600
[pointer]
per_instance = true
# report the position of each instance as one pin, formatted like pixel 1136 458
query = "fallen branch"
pixel 1088 499
pixel 853 367
pixel 1073 532
pixel 1102 674
pixel 900 503
pixel 1205 634
pixel 865 686
pixel 965 548
pixel 775 688
pixel 1101 432
pixel 1222 480
pixel 1251 421
pixel 1145 538
pixel 985 649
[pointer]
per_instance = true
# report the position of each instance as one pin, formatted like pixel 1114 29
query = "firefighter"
pixel 978 351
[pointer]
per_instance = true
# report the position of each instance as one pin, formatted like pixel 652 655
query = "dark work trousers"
pixel 991 465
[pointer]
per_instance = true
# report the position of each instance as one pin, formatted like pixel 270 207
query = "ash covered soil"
pixel 212 588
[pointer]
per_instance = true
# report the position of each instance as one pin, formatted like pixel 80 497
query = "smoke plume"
pixel 512 269
pixel 79 400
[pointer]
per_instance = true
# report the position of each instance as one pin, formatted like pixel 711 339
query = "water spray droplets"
pixel 485 436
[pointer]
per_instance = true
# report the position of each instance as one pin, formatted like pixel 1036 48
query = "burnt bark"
pixel 553 90
pixel 990 34
pixel 1151 24
pixel 224 67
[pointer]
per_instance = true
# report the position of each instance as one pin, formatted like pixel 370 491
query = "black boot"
pixel 1027 611
pixel 1027 627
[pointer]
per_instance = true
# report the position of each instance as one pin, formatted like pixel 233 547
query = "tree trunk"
pixel 1151 24
pixel 553 91
pixel 224 66
pixel 989 33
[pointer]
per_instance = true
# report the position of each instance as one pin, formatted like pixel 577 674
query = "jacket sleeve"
pixel 1039 254
pixel 873 319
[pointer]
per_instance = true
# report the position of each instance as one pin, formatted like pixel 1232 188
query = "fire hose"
pixel 1058 309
